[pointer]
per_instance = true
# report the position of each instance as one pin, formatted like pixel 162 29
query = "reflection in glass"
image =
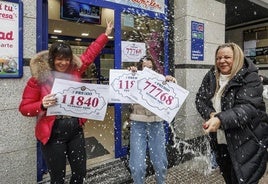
pixel 256 44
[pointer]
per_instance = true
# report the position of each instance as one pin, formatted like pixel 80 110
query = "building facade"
pixel 197 28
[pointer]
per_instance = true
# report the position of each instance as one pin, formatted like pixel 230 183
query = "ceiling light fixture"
pixel 54 37
pixel 57 31
pixel 84 34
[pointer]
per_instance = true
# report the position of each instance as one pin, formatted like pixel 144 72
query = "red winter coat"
pixel 41 82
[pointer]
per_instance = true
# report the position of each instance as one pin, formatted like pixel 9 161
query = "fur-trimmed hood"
pixel 40 68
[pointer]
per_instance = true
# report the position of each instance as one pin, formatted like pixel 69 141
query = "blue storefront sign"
pixel 151 5
pixel 197 41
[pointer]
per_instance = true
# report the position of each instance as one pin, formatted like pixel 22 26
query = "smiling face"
pixel 224 60
pixel 62 64
pixel 60 56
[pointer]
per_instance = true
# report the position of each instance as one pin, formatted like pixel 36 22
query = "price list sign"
pixel 81 100
pixel 160 97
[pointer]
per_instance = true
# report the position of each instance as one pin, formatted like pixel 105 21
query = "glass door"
pixel 142 29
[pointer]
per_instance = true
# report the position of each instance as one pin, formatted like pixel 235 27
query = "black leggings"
pixel 67 141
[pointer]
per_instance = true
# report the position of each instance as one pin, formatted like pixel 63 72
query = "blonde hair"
pixel 238 60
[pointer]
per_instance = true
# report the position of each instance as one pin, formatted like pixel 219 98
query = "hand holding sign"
pixel 79 99
pixel 160 97
pixel 121 82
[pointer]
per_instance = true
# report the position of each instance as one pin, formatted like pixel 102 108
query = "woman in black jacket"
pixel 230 101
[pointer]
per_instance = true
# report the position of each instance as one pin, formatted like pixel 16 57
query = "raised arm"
pixel 95 47
pixel 109 27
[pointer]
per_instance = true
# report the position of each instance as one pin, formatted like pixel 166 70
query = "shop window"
pixel 256 44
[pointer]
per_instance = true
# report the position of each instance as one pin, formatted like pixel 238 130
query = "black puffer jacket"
pixel 243 118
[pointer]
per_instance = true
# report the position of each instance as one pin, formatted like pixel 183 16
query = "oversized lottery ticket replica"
pixel 160 97
pixel 121 82
pixel 79 99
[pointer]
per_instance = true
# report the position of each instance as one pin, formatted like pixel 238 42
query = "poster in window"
pixel 11 51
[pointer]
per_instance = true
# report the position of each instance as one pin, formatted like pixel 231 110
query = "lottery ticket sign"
pixel 160 97
pixel 132 51
pixel 79 99
pixel 121 82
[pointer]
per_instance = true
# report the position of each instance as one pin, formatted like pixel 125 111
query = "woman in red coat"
pixel 61 136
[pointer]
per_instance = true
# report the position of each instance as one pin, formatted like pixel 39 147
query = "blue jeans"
pixel 151 135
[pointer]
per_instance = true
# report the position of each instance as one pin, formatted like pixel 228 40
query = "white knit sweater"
pixel 216 100
pixel 143 115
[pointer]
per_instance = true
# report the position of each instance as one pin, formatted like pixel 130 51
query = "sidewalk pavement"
pixel 178 175
pixel 116 172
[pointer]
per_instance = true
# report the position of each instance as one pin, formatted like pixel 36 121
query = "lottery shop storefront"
pixel 140 28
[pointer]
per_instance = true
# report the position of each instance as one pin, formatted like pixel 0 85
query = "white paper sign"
pixel 132 51
pixel 121 82
pixel 78 99
pixel 155 94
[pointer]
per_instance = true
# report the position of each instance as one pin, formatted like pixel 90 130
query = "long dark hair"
pixel 59 49
pixel 139 65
